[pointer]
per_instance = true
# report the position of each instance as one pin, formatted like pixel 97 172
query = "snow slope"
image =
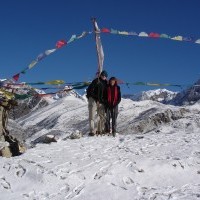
pixel 156 155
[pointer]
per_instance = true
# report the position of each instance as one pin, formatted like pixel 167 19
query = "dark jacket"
pixel 112 95
pixel 96 90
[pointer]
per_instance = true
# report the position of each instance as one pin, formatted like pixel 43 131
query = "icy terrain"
pixel 156 155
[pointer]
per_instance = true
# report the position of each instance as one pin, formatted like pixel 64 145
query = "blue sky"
pixel 28 28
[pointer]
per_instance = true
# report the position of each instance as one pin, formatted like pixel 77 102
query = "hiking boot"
pixel 107 133
pixel 91 134
pixel 114 134
pixel 98 133
pixel 103 133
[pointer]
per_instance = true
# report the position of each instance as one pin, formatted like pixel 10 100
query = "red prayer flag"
pixel 16 77
pixel 105 30
pixel 154 35
pixel 60 43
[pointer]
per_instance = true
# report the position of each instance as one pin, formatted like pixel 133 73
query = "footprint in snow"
pixel 20 170
pixel 128 181
pixel 121 139
pixel 5 184
pixel 122 187
pixel 75 192
pixel 7 166
pixel 65 189
pixel 101 173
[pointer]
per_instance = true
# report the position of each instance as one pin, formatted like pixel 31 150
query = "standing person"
pixel 96 100
pixel 113 98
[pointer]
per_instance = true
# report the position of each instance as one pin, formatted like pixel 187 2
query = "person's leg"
pixel 114 114
pixel 102 118
pixel 107 124
pixel 92 114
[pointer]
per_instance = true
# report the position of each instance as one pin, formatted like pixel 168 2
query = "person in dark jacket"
pixel 113 98
pixel 96 102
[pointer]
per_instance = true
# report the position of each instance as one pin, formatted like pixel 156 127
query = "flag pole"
pixel 99 48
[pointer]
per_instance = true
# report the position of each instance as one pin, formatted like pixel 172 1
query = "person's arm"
pixel 119 95
pixel 90 89
pixel 105 96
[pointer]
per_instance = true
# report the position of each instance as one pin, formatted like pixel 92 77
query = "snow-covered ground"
pixel 156 155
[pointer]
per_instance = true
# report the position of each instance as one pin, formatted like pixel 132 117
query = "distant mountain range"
pixel 188 96
pixel 31 105
pixel 159 95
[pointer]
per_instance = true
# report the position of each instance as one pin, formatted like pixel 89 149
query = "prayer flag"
pixel 32 64
pixel 60 43
pixel 48 52
pixel 16 77
pixel 154 35
pixel 105 30
pixel 143 34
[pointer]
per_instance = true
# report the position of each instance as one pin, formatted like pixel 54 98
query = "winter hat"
pixel 104 73
pixel 112 78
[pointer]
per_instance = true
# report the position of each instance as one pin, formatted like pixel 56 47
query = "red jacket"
pixel 113 95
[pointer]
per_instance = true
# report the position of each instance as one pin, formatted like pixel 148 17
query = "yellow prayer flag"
pixel 178 38
pixel 55 82
pixel 32 64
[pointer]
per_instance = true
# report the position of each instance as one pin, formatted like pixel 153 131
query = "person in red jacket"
pixel 113 98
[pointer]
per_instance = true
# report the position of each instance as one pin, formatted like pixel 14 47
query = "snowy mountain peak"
pixel 188 96
pixel 36 102
pixel 160 95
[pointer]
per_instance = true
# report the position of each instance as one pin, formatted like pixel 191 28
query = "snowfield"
pixel 156 155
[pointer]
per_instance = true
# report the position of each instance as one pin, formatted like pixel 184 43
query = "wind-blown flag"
pixel 60 44
pixel 99 47
pixel 33 63
pixel 16 77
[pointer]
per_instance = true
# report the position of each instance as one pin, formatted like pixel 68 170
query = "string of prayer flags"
pixel 97 31
pixel 41 56
pixel 151 35
pixel 139 83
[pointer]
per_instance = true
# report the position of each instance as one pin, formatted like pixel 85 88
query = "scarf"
pixel 112 99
